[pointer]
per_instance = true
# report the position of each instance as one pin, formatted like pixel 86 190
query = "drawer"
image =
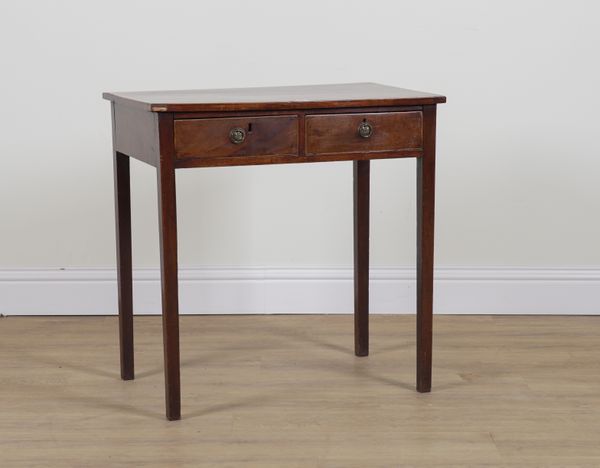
pixel 364 132
pixel 238 136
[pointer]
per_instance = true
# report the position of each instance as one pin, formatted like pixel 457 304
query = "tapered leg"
pixel 168 260
pixel 425 223
pixel 124 267
pixel 361 257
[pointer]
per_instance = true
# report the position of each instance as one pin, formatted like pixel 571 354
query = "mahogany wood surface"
pixel 425 224
pixel 135 133
pixel 209 138
pixel 283 159
pixel 124 262
pixel 124 258
pixel 300 124
pixel 167 215
pixel 281 97
pixel 361 194
pixel 338 133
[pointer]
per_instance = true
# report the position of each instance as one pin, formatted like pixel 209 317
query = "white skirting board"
pixel 477 290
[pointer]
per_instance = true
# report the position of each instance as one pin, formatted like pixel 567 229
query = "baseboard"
pixel 572 291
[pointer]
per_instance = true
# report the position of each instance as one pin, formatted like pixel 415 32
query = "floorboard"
pixel 287 391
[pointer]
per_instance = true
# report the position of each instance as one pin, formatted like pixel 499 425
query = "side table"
pixel 296 124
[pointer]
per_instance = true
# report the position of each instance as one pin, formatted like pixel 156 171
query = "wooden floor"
pixel 287 391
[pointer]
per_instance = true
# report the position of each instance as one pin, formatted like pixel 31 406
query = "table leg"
pixel 168 261
pixel 425 224
pixel 361 257
pixel 124 266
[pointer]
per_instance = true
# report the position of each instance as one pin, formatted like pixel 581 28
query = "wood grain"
pixel 167 219
pixel 135 133
pixel 274 98
pixel 209 138
pixel 425 248
pixel 338 133
pixel 174 129
pixel 361 198
pixel 261 160
pixel 273 391
pixel 124 263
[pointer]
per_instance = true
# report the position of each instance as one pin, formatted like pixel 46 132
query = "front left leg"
pixel 168 261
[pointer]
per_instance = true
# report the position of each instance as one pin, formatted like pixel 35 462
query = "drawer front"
pixel 239 136
pixel 381 132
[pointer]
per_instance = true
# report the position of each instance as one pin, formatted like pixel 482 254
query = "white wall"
pixel 518 146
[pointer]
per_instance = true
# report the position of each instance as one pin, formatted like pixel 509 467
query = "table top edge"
pixel 374 95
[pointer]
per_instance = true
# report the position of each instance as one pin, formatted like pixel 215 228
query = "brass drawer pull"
pixel 365 130
pixel 237 135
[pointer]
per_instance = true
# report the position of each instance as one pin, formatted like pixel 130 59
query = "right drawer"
pixel 364 132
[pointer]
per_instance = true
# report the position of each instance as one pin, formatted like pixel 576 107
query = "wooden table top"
pixel 275 98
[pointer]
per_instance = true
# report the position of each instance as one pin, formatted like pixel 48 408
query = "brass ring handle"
pixel 365 130
pixel 237 135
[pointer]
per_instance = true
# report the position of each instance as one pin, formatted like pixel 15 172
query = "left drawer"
pixel 236 136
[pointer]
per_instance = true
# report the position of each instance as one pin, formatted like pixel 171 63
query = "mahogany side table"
pixel 297 124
